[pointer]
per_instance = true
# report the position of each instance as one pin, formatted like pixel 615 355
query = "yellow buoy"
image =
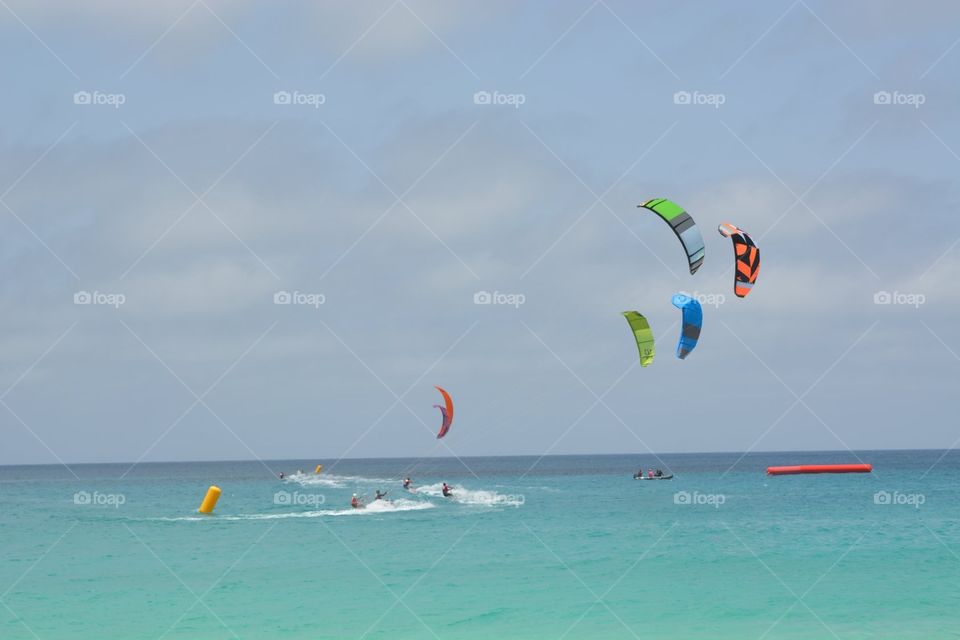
pixel 210 501
pixel 318 469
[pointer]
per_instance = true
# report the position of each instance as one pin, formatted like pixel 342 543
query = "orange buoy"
pixel 819 468
pixel 210 500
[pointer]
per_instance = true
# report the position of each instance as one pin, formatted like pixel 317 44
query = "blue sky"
pixel 391 195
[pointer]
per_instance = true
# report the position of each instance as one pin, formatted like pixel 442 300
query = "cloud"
pixel 298 212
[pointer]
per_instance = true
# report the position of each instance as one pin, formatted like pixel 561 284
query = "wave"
pixel 546 489
pixel 479 497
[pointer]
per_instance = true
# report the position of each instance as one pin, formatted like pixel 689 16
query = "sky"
pixel 172 173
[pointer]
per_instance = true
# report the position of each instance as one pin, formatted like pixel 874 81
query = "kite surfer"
pixel 447 493
pixel 380 495
pixel 408 484
pixel 356 502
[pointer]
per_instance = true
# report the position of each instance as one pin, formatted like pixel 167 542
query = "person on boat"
pixel 446 490
pixel 649 473
pixel 659 473
pixel 380 495
pixel 407 484
pixel 355 502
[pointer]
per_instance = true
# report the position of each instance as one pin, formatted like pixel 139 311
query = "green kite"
pixel 643 334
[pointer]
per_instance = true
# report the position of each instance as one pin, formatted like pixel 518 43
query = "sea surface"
pixel 558 547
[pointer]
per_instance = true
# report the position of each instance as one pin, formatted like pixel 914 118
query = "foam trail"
pixel 478 497
pixel 377 506
pixel 333 480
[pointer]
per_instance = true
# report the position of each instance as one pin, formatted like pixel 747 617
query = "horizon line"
pixel 335 461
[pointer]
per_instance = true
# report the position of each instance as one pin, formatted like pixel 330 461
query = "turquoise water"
pixel 572 548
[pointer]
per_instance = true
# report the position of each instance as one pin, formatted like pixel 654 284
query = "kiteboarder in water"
pixel 446 491
pixel 407 483
pixel 356 503
pixel 380 495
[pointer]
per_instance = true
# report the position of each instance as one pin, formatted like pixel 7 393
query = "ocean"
pixel 558 547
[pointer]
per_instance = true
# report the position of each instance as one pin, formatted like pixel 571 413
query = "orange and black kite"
pixel 747 256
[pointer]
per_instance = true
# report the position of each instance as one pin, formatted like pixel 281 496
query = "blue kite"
pixel 692 323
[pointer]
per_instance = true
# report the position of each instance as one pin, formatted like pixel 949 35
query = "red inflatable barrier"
pixel 820 468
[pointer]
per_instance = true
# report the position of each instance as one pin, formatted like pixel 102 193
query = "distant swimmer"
pixel 380 495
pixel 447 493
pixel 356 502
pixel 407 484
